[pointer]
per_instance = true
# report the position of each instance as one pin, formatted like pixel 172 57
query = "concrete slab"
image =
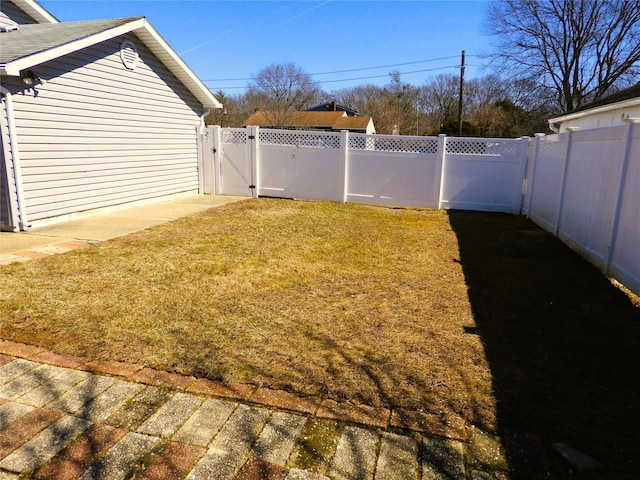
pixel 108 223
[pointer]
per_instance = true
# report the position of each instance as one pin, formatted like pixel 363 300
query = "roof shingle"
pixel 39 37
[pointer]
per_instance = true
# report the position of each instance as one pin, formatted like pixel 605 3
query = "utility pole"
pixel 461 95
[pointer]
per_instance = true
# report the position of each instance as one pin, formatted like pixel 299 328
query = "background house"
pixel 607 112
pixel 330 121
pixel 333 107
pixel 94 114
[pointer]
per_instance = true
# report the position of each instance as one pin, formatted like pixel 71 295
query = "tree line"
pixel 553 56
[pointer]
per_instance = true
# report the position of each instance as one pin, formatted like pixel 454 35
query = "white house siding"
pixel 14 13
pixel 97 134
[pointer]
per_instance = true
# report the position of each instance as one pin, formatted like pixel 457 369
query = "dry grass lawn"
pixel 483 317
pixel 359 303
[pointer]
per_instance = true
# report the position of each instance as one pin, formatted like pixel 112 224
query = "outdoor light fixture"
pixel 29 78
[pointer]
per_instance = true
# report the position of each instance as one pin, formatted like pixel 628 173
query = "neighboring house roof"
pixel 352 123
pixel 34 44
pixel 332 107
pixel 622 99
pixel 330 120
pixel 35 11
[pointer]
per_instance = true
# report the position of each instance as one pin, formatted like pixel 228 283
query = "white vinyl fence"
pixel 584 186
pixel 431 172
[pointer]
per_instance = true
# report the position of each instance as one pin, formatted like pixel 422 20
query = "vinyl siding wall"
pixel 14 13
pixel 97 134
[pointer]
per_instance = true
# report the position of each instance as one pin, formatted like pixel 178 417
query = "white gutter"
pixel 205 112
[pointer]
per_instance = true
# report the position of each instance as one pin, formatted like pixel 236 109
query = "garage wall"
pixel 97 134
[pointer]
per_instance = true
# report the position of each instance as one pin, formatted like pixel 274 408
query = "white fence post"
pixel 216 149
pixel 344 149
pixel 626 156
pixel 253 141
pixel 201 138
pixel 442 145
pixel 531 167
pixel 518 203
pixel 563 184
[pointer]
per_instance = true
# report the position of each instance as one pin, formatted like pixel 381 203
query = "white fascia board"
pixel 594 111
pixel 161 49
pixel 16 66
pixel 35 11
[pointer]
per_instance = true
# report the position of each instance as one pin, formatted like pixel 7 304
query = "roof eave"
pixel 161 49
pixel 35 11
pixel 14 67
pixel 602 109
pixel 147 34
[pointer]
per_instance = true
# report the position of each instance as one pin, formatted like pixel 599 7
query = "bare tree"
pixel 368 100
pixel 579 49
pixel 233 113
pixel 279 90
pixel 440 96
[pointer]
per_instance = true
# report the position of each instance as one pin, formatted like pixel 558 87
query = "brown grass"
pixel 473 316
pixel 359 303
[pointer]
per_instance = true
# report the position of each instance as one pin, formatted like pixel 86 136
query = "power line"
pixel 386 74
pixel 356 78
pixel 347 71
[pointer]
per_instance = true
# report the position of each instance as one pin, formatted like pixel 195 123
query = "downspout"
pixel 205 112
pixel 23 223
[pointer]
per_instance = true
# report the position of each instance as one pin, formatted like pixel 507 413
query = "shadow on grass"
pixel 562 342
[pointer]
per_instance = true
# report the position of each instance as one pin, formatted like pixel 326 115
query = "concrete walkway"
pixel 41 241
pixel 66 418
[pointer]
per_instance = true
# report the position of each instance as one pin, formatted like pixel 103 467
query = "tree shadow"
pixel 562 342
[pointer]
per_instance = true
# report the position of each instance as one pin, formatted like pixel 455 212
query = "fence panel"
pixel 297 164
pixel 392 170
pixel 235 166
pixel 484 174
pixel 592 180
pixel 574 184
pixel 546 180
pixel 625 261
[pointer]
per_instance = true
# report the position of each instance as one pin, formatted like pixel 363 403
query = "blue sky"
pixel 224 40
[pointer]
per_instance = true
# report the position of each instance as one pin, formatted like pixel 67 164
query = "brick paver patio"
pixel 67 418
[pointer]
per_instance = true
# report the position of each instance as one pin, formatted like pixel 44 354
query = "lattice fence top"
pixel 300 139
pixel 468 146
pixel 381 143
pixel 234 136
pixel 552 149
pixel 393 144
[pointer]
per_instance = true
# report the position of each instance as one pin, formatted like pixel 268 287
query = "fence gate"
pixel 234 161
